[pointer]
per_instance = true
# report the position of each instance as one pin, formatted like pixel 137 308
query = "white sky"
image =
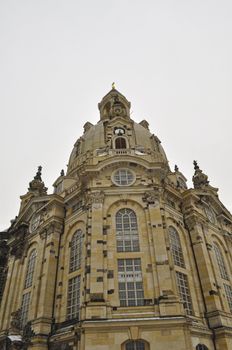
pixel 172 59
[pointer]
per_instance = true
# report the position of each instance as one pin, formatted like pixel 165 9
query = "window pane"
pixel 73 300
pixel 130 282
pixel 123 177
pixel 76 251
pixel 25 308
pixel 120 143
pixel 176 249
pixel 135 345
pixel 30 269
pixel 220 262
pixel 127 231
pixel 228 291
pixel 183 287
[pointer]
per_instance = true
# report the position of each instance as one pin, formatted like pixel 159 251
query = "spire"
pixel 36 186
pixel 200 180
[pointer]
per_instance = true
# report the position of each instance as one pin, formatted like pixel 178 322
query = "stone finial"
pixel 62 172
pixel 176 168
pixel 36 186
pixel 196 166
pixel 145 124
pixel 113 86
pixel 87 126
pixel 200 180
pixel 38 174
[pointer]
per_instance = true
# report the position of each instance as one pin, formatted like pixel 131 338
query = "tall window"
pixel 130 282
pixel 221 262
pixel 25 308
pixel 75 251
pixel 176 249
pixel 135 345
pixel 120 143
pixel 183 288
pixel 228 291
pixel 30 269
pixel 127 231
pixel 73 302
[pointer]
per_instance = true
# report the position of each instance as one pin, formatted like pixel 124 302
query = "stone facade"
pixel 122 256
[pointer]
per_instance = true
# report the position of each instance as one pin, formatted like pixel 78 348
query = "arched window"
pixel 120 143
pixel 75 251
pixel 30 269
pixel 201 347
pixel 135 345
pixel 220 261
pixel 127 231
pixel 176 249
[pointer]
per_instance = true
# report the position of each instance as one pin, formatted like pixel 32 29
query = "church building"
pixel 123 255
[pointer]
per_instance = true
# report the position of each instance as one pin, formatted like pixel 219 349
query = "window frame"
pixel 130 282
pixel 220 261
pixel 25 308
pixel 126 177
pixel 117 138
pixel 75 255
pixel 73 298
pixel 127 235
pixel 30 269
pixel 175 247
pixel 184 291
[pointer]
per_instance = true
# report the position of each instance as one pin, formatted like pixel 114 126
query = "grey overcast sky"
pixel 171 58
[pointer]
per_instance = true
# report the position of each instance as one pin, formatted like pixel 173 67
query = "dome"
pixel 115 123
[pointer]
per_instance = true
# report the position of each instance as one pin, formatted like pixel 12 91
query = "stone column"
pixel 167 299
pixel 96 307
pixel 42 323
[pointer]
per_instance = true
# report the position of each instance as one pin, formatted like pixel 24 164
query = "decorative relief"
pixel 152 198
pixel 15 320
pixel 96 199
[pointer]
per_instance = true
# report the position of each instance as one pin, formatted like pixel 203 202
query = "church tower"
pixel 122 256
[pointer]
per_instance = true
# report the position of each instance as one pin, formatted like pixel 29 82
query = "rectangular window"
pixel 228 291
pixel 130 283
pixel 183 288
pixel 25 308
pixel 73 302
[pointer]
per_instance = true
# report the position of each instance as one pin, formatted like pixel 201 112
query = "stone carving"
pixel 28 333
pixel 16 321
pixel 96 199
pixel 87 126
pixel 152 198
pixel 145 124
pixel 200 180
pixel 36 186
